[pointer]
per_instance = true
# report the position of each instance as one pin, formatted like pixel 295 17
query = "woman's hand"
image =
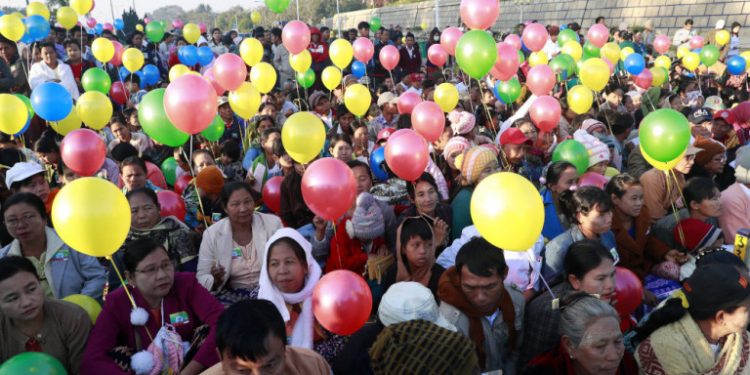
pixel 676 256
pixel 218 272
pixel 441 230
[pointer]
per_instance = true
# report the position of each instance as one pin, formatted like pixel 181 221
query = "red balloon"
pixel 117 58
pixel 407 101
pixel 535 36
pixel 91 22
pixel 545 112
pixel 644 79
pixel 118 93
pixel 696 42
pixel 541 80
pixel 662 44
pixel 598 35
pixel 171 204
pixel 629 291
pixel 592 179
pixel 203 27
pixel 190 103
pixel 437 55
pixel 514 40
pixel 389 57
pixel 182 183
pixel 428 120
pixel 325 179
pixel 83 151
pixel 272 193
pixel 506 65
pixel 449 38
pixel 742 114
pixel 209 76
pixel 230 71
pixel 363 50
pixel 342 302
pixel 406 154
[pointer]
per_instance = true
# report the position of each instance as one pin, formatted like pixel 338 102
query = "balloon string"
pixel 122 281
pixel 487 111
pixel 600 104
pixel 541 277
pixel 675 212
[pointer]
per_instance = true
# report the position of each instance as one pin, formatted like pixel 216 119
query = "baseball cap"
pixel 725 115
pixel 21 171
pixel 387 98
pixel 384 133
pixel 714 103
pixel 409 300
pixel 221 101
pixel 699 116
pixel 513 136
pixel 714 287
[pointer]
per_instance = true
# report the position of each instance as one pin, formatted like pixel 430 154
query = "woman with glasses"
pixel 711 162
pixel 166 302
pixel 61 270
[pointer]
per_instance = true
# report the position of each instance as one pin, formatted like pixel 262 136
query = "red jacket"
pixel 410 64
pixel 348 253
pixel 319 50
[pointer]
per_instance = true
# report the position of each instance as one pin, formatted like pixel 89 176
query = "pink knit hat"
pixel 455 146
pixel 598 151
pixel 462 122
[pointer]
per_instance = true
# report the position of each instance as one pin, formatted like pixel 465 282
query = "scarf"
pixel 406 272
pixel 303 331
pixel 449 291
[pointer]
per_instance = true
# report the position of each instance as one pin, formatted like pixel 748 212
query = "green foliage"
pixel 130 18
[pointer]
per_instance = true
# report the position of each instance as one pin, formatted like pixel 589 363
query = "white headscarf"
pixel 302 333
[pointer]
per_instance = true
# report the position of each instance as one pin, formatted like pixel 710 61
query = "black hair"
pixel 583 256
pixel 414 227
pixel 600 18
pixel 143 191
pixel 404 122
pixel 324 29
pixel 119 118
pixel 425 177
pixel 138 249
pixel 26 198
pixel 43 45
pixel 231 187
pixel 409 35
pixel 296 247
pixel 718 255
pixel 555 171
pixel 68 42
pixel 698 189
pixel 689 21
pixel 122 151
pixel 341 110
pixel 133 160
pixel 363 25
pixel 276 32
pixel 199 152
pixel 482 258
pixel 623 123
pixel 336 138
pixel 46 143
pixel 134 78
pixel 354 163
pixel 231 149
pixel 13 264
pixel 619 184
pixel 583 201
pixel 244 327
pixel 215 29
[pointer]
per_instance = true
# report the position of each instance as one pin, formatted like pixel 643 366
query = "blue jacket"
pixel 555 251
pixel 552 225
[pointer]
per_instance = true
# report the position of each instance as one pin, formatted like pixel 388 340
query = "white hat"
pixel 720 24
pixel 409 300
pixel 21 171
pixel 387 98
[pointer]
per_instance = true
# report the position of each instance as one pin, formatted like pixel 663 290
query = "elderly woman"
pixel 62 270
pixel 232 250
pixel 52 70
pixel 478 162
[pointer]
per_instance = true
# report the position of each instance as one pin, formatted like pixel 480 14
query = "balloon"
pixel 545 112
pixel 94 109
pixel 83 151
pixel 188 55
pixel 449 39
pixel 580 99
pixel 118 93
pixel 389 57
pixel 169 169
pixel 634 64
pixel 191 32
pixel 659 76
pixel 331 77
pixel 37 27
pixel 342 302
pixel 565 36
pixel 736 65
pixel 682 51
pixel 306 79
pixel 37 8
pixel 215 130
pixel 540 80
pixel 363 49
pixel 507 211
pixel 132 59
pixel 272 193
pixel 508 91
pixel 263 76
pixel 722 37
pixel 538 58
pixel 592 179
pixel 562 64
pixel 696 42
pixel 326 178
pixel 108 26
pixel 251 51
pixel 209 76
pixel 625 52
pixel 746 55
pixel 573 49
pixel 151 74
pixel 428 120
pixel 27 102
pixel 479 14
pixel 691 61
pixel 375 24
pixel 301 62
pixel 628 291
pixel 119 24
pixel 245 101
pixel 644 79
pixel 119 50
pixel 377 158
pixel 357 99
pixel 177 24
pixel 406 154
pixel 663 62
pixel 12 27
pixel 29 363
pixel 446 96
pixel 664 134
pixel 407 101
pixel 709 55
pixel 171 204
pixel 255 17
pixel 303 136
pixel 662 44
pixel 82 6
pixel 230 71
pixel 296 37
pixel 341 53
pixel 359 69
pixel 85 224
pixel 594 74
pixel 190 103
pixel 87 303
pixel 51 101
pixel 182 183
pixel 476 53
pixel 535 36
pixel 573 152
pixel 178 71
pixel 13 114
pixel 67 17
pixel 611 51
pixel 590 50
pixel 514 40
pixel 155 32
pixel 202 26
pixel 66 125
pixel 598 35
pixel 437 55
pixel 277 6
pixel 90 21
pixel 96 79
pixel 662 166
pixel 103 49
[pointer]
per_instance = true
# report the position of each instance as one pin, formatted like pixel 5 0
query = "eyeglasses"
pixel 26 219
pixel 145 208
pixel 150 271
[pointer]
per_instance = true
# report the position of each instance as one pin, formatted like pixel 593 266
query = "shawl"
pixel 405 272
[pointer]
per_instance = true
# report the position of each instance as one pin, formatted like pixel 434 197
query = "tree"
pixel 130 19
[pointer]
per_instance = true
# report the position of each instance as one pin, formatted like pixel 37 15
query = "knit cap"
pixel 710 148
pixel 694 234
pixel 367 222
pixel 454 147
pixel 462 122
pixel 474 161
pixel 210 180
pixel 742 165
pixel 598 151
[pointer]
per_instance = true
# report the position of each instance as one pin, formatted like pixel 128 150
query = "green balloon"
pixel 96 79
pixel 155 123
pixel 277 6
pixel 27 102
pixel 32 363
pixel 509 90
pixel 709 55
pixel 155 31
pixel 375 24
pixel 664 134
pixel 563 65
pixel 306 79
pixel 169 168
pixel 573 152
pixel 521 57
pixel 590 50
pixel 476 53
pixel 214 131
pixel 565 36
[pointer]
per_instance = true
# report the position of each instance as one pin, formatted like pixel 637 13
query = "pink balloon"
pixel 363 49
pixel 118 93
pixel 326 178
pixel 177 24
pixel 479 14
pixel 696 42
pixel 598 35
pixel 592 179
pixel 171 204
pixel 644 79
pixel 662 44
pixel 203 27
pixel 389 57
pixel 407 101
pixel 146 20
pixel 406 154
pixel 428 120
pixel 437 55
pixel 342 302
pixel 540 80
pixel 535 36
pixel 190 103
pixel 295 36
pixel 209 76
pixel 545 113
pixel 230 71
pixel 506 65
pixel 449 38
pixel 91 22
pixel 117 58
pixel 611 66
pixel 108 26
pixel 514 40
pixel 83 151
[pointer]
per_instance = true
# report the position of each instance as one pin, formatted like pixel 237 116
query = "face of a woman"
pixel 24 222
pixel 710 207
pixel 360 136
pixel 346 120
pixel 567 179
pixel 217 35
pixel 716 164
pixel 154 274
pixel 285 269
pixel 37 186
pixel 418 251
pixel 133 177
pixel 201 161
pixel 600 280
pixel 631 202
pixel 425 198
pixel 737 321
pixel 49 56
pixel 596 221
pixel 240 207
pixel 601 348
pixel 21 296
pixel 342 151
pixel 144 212
pixel 529 130
pixel 265 124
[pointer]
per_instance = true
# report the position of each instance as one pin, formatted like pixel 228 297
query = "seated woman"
pixel 31 322
pixel 288 276
pixel 133 173
pixel 560 177
pixel 163 302
pixel 50 69
pixel 30 177
pixel 62 270
pixel 478 162
pixel 425 200
pixel 229 261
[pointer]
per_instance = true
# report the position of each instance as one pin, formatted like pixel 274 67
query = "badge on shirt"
pixel 615 255
pixel 236 253
pixel 179 318
pixel 61 256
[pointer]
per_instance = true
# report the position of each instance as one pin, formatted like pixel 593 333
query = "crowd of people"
pixel 218 276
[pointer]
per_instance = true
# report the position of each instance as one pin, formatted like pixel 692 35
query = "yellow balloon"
pixel 68 124
pixel 341 53
pixel 508 211
pixel 746 55
pixel 573 49
pixel 301 62
pixel 87 303
pixel 132 59
pixel 691 61
pixel 191 32
pixel 245 101
pixel 357 99
pixel 682 51
pixel 12 27
pixel 611 51
pixel 263 76
pixel 139 27
pixel 659 75
pixel 177 71
pixel 255 17
pixel 331 77
pixel 38 9
pixel 625 52
pixel 594 73
pixel 67 17
pixel 611 172
pixel 446 96
pixel 82 6
pixel 661 165
pixel 424 26
pixel 251 51
pixel 722 37
pixel 94 109
pixel 580 99
pixel 538 58
pixel 13 114
pixel 663 61
pixel 103 49
pixel 87 225
pixel 303 136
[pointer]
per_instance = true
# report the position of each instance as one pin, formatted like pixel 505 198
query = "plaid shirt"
pixel 541 322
